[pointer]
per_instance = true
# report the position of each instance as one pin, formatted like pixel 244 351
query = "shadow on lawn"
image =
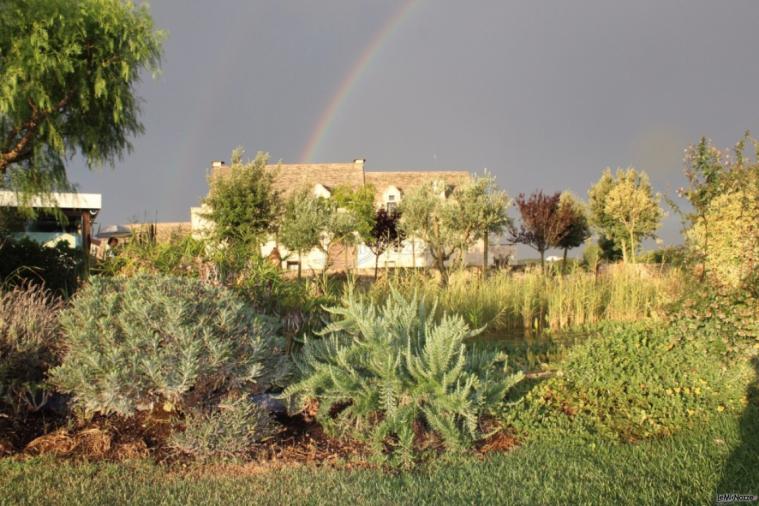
pixel 741 472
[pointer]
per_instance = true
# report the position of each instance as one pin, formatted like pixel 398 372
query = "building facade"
pixel 390 187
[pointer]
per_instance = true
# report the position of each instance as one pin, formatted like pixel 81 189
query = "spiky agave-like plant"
pixel 382 373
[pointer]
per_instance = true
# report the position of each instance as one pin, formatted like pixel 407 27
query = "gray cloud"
pixel 544 94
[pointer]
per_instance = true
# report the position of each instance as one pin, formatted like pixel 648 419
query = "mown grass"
pixel 686 469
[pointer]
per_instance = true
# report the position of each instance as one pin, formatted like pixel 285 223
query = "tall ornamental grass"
pixel 533 301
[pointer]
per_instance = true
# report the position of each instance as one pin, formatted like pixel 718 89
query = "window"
pixel 391 206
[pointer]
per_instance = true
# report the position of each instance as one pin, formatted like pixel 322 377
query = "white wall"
pixel 314 259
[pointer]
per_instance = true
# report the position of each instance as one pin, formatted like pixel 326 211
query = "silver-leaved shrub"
pixel 398 378
pixel 135 343
pixel 230 431
pixel 29 345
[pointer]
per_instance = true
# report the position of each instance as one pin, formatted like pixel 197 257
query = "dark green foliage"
pixel 395 377
pixel 359 203
pixel 633 381
pixel 29 346
pixel 611 250
pixel 67 84
pixel 577 228
pixel 144 341
pixel 676 256
pixel 232 430
pixel 25 261
pixel 386 231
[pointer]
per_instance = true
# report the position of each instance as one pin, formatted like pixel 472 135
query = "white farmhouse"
pixel 323 178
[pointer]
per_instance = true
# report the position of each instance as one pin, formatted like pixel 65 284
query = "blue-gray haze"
pixel 545 94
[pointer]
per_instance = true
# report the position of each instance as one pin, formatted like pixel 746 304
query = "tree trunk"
pixel 624 251
pixel 564 262
pixel 345 254
pixel 300 262
pixel 413 253
pixel 485 244
pixel 632 246
pixel 439 258
pixel 543 261
pixel 376 265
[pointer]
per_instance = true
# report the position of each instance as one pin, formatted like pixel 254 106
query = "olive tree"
pixel 483 210
pixel 429 214
pixel 67 77
pixel 304 222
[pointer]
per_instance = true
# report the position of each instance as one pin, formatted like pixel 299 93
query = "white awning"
pixel 91 201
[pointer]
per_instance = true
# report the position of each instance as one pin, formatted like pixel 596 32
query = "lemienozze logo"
pixel 730 498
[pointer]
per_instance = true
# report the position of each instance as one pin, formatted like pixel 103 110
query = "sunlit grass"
pixel 686 469
pixel 532 301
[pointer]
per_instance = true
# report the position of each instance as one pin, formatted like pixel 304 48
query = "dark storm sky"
pixel 545 94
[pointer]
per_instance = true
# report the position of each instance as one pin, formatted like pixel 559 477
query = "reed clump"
pixel 535 301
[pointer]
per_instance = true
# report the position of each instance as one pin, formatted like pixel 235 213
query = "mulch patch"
pixel 301 441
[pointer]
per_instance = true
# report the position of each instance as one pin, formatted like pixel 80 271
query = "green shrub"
pixel 25 261
pixel 395 377
pixel 720 312
pixel 229 431
pixel 132 343
pixel 179 256
pixel 29 342
pixel 633 381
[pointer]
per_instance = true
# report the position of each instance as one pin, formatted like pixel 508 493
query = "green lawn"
pixel 686 469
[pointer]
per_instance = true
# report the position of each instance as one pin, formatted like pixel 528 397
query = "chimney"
pixel 215 164
pixel 359 164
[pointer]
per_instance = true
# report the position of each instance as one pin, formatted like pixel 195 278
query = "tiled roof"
pixel 293 177
pixel 405 181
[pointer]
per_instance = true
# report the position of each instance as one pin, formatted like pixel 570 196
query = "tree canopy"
pixel 243 204
pixel 304 223
pixel 576 220
pixel 482 210
pixel 67 74
pixel 429 214
pixel 385 232
pixel 625 209
pixel 543 224
pixel 724 193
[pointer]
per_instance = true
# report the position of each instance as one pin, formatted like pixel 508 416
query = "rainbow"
pixel 351 78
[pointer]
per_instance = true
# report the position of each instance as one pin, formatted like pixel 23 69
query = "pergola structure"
pixel 80 209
